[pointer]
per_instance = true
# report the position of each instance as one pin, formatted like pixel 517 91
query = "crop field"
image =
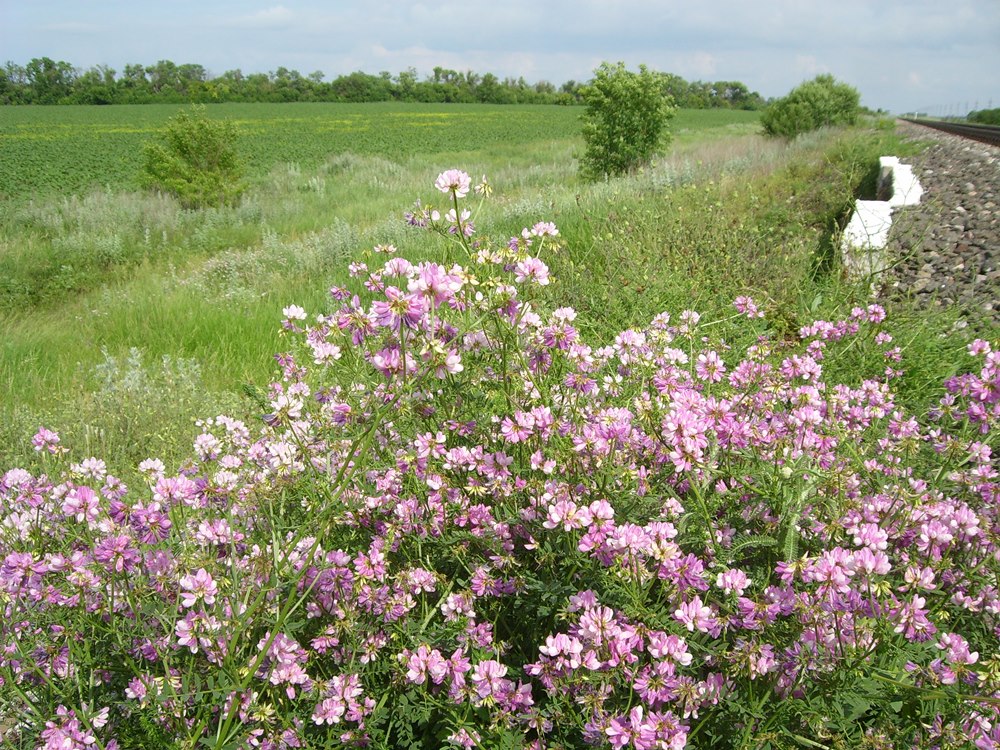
pixel 68 149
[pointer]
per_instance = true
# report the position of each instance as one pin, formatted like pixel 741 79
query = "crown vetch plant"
pixel 460 524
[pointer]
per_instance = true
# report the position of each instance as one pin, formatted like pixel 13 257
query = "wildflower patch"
pixel 459 523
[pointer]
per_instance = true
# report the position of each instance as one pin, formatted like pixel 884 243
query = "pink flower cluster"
pixel 460 520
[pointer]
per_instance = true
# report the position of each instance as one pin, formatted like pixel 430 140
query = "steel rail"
pixel 983 133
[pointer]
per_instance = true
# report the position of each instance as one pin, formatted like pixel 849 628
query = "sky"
pixel 941 56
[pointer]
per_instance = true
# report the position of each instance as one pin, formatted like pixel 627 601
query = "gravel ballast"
pixel 946 250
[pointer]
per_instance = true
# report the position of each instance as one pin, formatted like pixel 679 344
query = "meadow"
pixel 624 464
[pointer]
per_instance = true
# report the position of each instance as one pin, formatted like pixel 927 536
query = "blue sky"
pixel 901 55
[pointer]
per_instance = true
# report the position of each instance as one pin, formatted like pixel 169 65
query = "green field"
pixel 68 149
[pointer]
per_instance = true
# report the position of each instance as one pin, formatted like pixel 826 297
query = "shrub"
pixel 813 104
pixel 625 120
pixel 985 116
pixel 460 524
pixel 196 162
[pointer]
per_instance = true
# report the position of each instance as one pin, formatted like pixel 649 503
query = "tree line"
pixel 47 81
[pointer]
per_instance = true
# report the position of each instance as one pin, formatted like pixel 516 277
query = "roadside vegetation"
pixel 622 463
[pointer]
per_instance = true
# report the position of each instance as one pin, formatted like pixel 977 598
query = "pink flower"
pixel 734 580
pixel 911 620
pixel 434 284
pixel 195 630
pixel 460 222
pixel 519 429
pixel 620 732
pixel 487 679
pixel 329 711
pixel 531 269
pixel 454 181
pixel 977 347
pixel 294 312
pixel 340 701
pixel 66 732
pixel 82 504
pixel 199 586
pixel 870 562
pixel 567 514
pixel 746 306
pixel 710 367
pixel 426 662
pixel 695 615
pixel 47 441
pixel 117 553
pixel 563 645
pixel 545 228
pixel 399 309
pixel 957 648
pixel 674 647
pixel 464 738
pixel 397 267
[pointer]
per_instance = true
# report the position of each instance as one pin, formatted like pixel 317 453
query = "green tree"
pixel 96 86
pixel 813 104
pixel 491 91
pixel 163 76
pixel 362 87
pixel 196 161
pixel 50 82
pixel 406 83
pixel 134 86
pixel 625 122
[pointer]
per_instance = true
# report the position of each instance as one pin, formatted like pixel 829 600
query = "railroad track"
pixel 983 133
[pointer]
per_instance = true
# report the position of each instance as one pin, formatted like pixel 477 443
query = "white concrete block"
pixel 906 189
pixel 869 225
pixel 863 244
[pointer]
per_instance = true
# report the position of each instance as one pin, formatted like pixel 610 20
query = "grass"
pixel 725 213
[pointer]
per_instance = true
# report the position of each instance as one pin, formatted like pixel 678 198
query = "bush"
pixel 197 162
pixel 460 524
pixel 985 116
pixel 625 121
pixel 821 101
